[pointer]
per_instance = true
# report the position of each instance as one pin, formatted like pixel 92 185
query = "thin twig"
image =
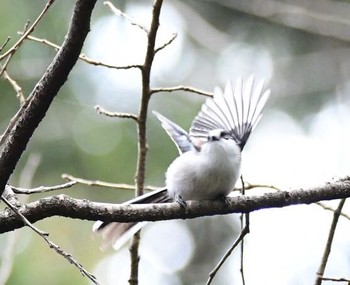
pixel 103 111
pixel 60 251
pixel 244 220
pixel 244 231
pixel 4 66
pixel 25 27
pixel 241 236
pixel 116 11
pixel 328 247
pixel 16 87
pixel 82 56
pixel 24 219
pixel 336 279
pixel 5 43
pixel 42 189
pixel 105 184
pixel 344 215
pixel 249 186
pixel 181 88
pixel 28 31
pixel 14 84
pixel 25 180
pixel 46 89
pixel 173 37
pixel 100 63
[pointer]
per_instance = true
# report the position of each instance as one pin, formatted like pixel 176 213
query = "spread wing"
pixel 178 135
pixel 237 110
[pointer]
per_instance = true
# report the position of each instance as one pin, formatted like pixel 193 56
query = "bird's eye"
pixel 225 135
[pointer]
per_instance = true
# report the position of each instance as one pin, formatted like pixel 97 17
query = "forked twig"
pixel 28 31
pixel 15 86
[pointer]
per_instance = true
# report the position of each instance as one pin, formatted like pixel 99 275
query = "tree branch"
pixel 141 130
pixel 46 89
pixel 327 250
pixel 62 205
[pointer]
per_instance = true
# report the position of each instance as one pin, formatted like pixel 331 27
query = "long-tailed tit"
pixel 210 155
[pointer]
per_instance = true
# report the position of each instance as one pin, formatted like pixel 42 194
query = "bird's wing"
pixel 236 110
pixel 178 135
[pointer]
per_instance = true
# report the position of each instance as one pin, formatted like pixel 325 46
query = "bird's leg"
pixel 223 198
pixel 180 201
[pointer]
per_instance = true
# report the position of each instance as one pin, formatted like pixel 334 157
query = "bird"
pixel 209 161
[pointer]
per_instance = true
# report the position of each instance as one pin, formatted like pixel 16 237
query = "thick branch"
pixel 46 89
pixel 65 206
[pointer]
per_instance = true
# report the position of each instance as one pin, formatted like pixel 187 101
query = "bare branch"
pixel 240 240
pixel 328 247
pixel 101 110
pixel 181 88
pixel 45 90
pixel 83 57
pixel 16 87
pixel 173 37
pixel 28 31
pixel 105 184
pixel 13 83
pixel 249 186
pixel 336 279
pixel 44 235
pixel 100 63
pixel 42 189
pixel 141 129
pixel 322 205
pixel 11 245
pixel 65 206
pixel 212 274
pixel 5 43
pixel 116 11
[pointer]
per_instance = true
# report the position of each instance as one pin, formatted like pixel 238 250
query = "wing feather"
pixel 237 110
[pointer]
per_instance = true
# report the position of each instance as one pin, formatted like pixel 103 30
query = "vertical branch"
pixel 141 128
pixel 328 247
pixel 146 94
pixel 244 219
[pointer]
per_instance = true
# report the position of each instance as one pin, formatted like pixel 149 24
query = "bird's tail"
pixel 117 234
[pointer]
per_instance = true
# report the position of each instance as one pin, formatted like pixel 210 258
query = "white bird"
pixel 210 155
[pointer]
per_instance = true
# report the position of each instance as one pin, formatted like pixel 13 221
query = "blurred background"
pixel 302 51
